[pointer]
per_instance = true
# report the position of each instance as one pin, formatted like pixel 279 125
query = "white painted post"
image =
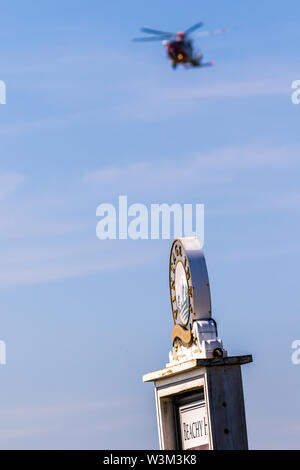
pixel 199 394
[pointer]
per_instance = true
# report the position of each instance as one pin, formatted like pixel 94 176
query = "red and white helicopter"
pixel 179 45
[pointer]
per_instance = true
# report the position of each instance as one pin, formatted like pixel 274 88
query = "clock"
pixel 189 288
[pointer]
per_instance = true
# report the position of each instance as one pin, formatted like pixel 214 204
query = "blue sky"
pixel 91 115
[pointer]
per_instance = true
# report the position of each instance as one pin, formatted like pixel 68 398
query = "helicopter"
pixel 179 46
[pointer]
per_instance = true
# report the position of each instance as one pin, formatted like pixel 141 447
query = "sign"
pixel 189 288
pixel 194 426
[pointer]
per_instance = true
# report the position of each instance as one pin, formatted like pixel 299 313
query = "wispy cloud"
pixel 49 419
pixel 79 92
pixel 44 241
pixel 27 265
pixel 237 89
pixel 57 409
pixel 215 166
pixel 9 183
pixel 264 202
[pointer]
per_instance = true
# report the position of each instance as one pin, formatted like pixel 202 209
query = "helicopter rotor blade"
pixel 202 34
pixel 149 39
pixel 155 31
pixel 192 28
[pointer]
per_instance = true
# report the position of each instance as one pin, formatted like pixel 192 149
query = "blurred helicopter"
pixel 179 46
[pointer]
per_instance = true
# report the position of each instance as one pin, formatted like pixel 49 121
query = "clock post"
pixel 199 393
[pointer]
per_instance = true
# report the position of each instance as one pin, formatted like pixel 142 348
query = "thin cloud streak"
pixel 240 89
pixel 67 245
pixel 41 420
pixel 49 263
pixel 207 167
pixel 9 183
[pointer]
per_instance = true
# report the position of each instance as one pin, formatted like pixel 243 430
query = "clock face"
pixel 181 288
pixel 182 293
pixel 189 288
